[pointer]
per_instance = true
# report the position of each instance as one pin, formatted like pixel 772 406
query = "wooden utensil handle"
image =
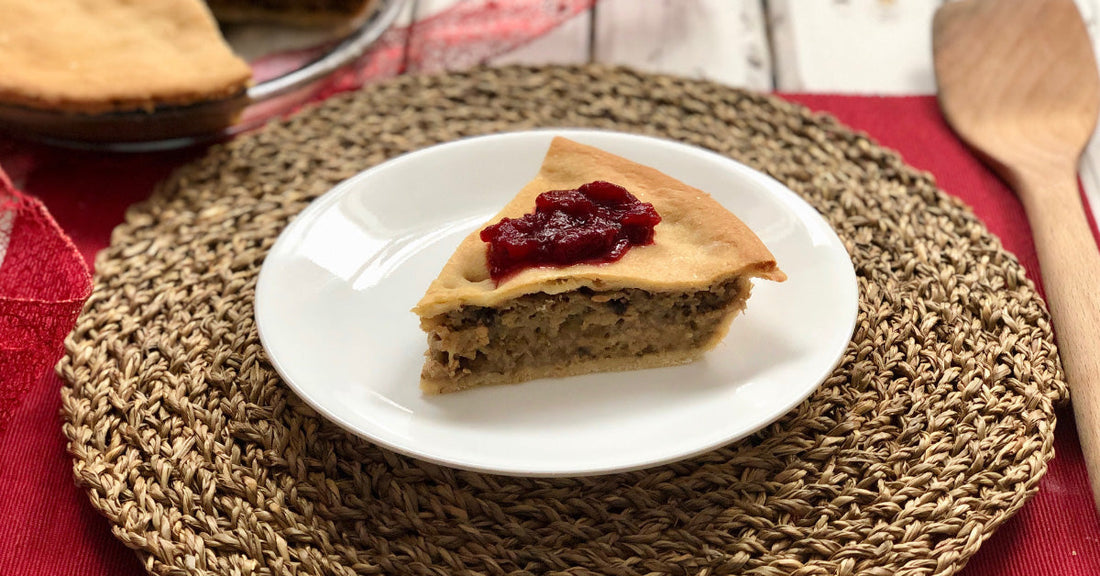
pixel 1070 264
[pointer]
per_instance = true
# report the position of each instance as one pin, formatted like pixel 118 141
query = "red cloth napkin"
pixel 47 525
pixel 43 285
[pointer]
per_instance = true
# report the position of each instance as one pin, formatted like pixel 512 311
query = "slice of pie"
pixel 96 56
pixel 659 304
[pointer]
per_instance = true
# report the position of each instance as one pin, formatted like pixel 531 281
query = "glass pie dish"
pixel 289 64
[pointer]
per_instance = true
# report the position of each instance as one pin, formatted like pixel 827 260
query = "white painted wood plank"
pixel 875 46
pixel 786 75
pixel 6 221
pixel 721 40
pixel 1090 176
pixel 566 44
pixel 1090 160
pixel 426 8
pixel 408 13
pixel 853 46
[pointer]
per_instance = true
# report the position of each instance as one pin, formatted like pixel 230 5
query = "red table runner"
pixel 47 525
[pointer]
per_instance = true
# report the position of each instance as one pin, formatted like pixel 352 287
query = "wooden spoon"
pixel 1018 82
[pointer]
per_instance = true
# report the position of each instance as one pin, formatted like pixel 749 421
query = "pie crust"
pixel 698 241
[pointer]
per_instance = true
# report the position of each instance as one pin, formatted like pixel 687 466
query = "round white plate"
pixel 334 297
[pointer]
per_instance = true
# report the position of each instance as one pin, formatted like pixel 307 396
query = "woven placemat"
pixel 934 429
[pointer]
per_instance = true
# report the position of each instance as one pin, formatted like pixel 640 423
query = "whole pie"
pixel 97 56
pixel 663 302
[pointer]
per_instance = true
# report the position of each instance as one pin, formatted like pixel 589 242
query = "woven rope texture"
pixel 933 430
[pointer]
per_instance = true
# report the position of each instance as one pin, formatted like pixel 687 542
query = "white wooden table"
pixel 820 46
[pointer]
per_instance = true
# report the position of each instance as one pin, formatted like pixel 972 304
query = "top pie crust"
pixel 697 244
pixel 94 56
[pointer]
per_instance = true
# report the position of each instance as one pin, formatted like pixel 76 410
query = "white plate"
pixel 334 294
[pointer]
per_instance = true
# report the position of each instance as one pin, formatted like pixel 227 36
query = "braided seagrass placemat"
pixel 933 430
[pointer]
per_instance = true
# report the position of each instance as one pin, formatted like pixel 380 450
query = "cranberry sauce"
pixel 593 224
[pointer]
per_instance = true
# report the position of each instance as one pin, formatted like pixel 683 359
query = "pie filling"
pixel 595 224
pixel 577 332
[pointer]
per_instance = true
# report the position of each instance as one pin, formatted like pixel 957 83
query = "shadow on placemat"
pixel 935 427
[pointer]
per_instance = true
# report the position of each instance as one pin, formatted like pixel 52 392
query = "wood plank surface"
pixel 879 47
pixel 834 46
pixel 721 40
pixel 7 219
pixel 567 44
pixel 1090 161
pixel 853 46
